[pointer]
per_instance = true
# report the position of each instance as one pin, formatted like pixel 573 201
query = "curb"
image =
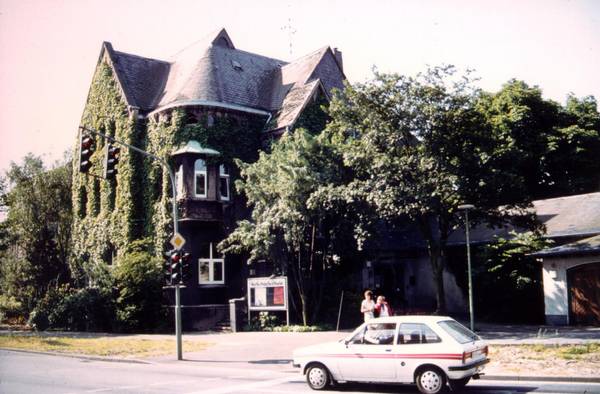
pixel 80 356
pixel 569 379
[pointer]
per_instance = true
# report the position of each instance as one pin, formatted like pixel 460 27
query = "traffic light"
pixel 185 266
pixel 167 267
pixel 111 158
pixel 176 268
pixel 172 267
pixel 86 149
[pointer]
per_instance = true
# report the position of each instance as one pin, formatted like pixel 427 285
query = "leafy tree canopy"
pixel 39 227
pixel 290 226
pixel 553 148
pixel 420 148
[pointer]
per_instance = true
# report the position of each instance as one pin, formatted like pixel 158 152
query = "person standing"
pixel 382 308
pixel 367 306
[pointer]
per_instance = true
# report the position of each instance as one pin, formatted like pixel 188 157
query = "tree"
pixel 419 148
pixel 510 279
pixel 554 148
pixel 574 149
pixel 38 227
pixel 290 224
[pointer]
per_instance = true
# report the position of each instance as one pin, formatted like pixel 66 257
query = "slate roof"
pixel 583 246
pixel 214 71
pixel 572 216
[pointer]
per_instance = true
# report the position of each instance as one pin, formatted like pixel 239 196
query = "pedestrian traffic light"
pixel 111 159
pixel 185 266
pixel 86 149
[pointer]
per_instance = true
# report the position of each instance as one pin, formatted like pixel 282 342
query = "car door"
pixel 369 355
pixel 416 344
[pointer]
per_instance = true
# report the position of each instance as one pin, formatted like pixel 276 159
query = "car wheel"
pixel 458 384
pixel 317 377
pixel 431 381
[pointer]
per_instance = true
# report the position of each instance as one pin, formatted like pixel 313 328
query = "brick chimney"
pixel 338 57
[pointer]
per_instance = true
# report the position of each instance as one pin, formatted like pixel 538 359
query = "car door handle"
pixel 388 350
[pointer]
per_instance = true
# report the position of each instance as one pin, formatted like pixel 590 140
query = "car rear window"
pixel 411 333
pixel 457 331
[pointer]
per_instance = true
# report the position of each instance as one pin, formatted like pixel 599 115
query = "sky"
pixel 49 48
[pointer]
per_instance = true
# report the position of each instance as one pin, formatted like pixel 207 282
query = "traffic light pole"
pixel 175 220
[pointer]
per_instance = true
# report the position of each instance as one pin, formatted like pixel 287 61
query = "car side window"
pixel 416 333
pixel 376 334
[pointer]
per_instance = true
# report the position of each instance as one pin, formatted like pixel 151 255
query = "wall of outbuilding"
pixel 556 286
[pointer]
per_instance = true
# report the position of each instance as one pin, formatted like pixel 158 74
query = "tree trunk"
pixel 435 248
pixel 304 309
pixel 437 268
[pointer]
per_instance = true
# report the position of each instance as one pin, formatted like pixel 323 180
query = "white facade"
pixel 556 290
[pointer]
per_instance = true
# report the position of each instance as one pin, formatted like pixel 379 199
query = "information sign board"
pixel 268 294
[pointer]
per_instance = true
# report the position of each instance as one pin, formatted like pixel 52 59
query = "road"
pixel 48 374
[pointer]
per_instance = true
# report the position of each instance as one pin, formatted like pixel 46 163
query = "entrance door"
pixel 584 294
pixel 390 277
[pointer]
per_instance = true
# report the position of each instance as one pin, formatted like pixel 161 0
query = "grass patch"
pixel 565 352
pixel 108 347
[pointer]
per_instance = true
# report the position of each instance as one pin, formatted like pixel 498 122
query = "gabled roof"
pixel 583 246
pixel 212 72
pixel 571 216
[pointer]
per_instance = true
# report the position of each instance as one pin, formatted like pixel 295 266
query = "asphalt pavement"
pixel 273 350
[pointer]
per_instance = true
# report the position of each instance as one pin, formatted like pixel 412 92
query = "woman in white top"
pixel 368 306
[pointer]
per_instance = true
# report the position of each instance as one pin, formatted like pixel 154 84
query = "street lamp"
pixel 466 207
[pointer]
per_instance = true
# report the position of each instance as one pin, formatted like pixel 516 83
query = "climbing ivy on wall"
pixel 137 204
pixel 104 210
pixel 232 137
pixel 314 117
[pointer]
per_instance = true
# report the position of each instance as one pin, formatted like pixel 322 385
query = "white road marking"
pixel 245 387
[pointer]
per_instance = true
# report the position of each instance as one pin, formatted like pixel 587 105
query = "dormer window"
pixel 200 179
pixel 236 65
pixel 224 182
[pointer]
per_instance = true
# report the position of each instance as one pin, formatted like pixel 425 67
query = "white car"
pixel 435 352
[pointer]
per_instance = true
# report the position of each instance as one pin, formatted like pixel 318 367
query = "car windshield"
pixel 457 331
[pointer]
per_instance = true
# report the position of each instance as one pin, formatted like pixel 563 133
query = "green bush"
pixel 138 278
pixel 89 309
pixel 267 322
pixel 39 318
pixel 10 307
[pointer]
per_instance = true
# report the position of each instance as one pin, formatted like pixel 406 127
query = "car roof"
pixel 411 319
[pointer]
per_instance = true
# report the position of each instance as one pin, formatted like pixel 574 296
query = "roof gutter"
pixel 216 104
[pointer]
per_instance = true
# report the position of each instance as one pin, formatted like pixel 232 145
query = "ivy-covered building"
pixel 208 105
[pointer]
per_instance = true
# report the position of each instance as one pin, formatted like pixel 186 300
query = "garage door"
pixel 584 288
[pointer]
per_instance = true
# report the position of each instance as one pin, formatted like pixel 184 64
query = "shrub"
pixel 10 307
pixel 89 309
pixel 138 277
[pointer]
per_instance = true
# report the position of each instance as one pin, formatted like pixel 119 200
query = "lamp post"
pixel 466 207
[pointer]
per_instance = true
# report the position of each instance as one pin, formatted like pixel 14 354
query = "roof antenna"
pixel 290 31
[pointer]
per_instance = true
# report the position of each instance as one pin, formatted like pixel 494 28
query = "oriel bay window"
pixel 211 269
pixel 200 179
pixel 224 182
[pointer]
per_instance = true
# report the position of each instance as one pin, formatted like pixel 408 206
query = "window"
pixel 224 182
pixel 459 332
pixel 200 178
pixel 376 334
pixel 179 181
pixel 412 333
pixel 211 270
